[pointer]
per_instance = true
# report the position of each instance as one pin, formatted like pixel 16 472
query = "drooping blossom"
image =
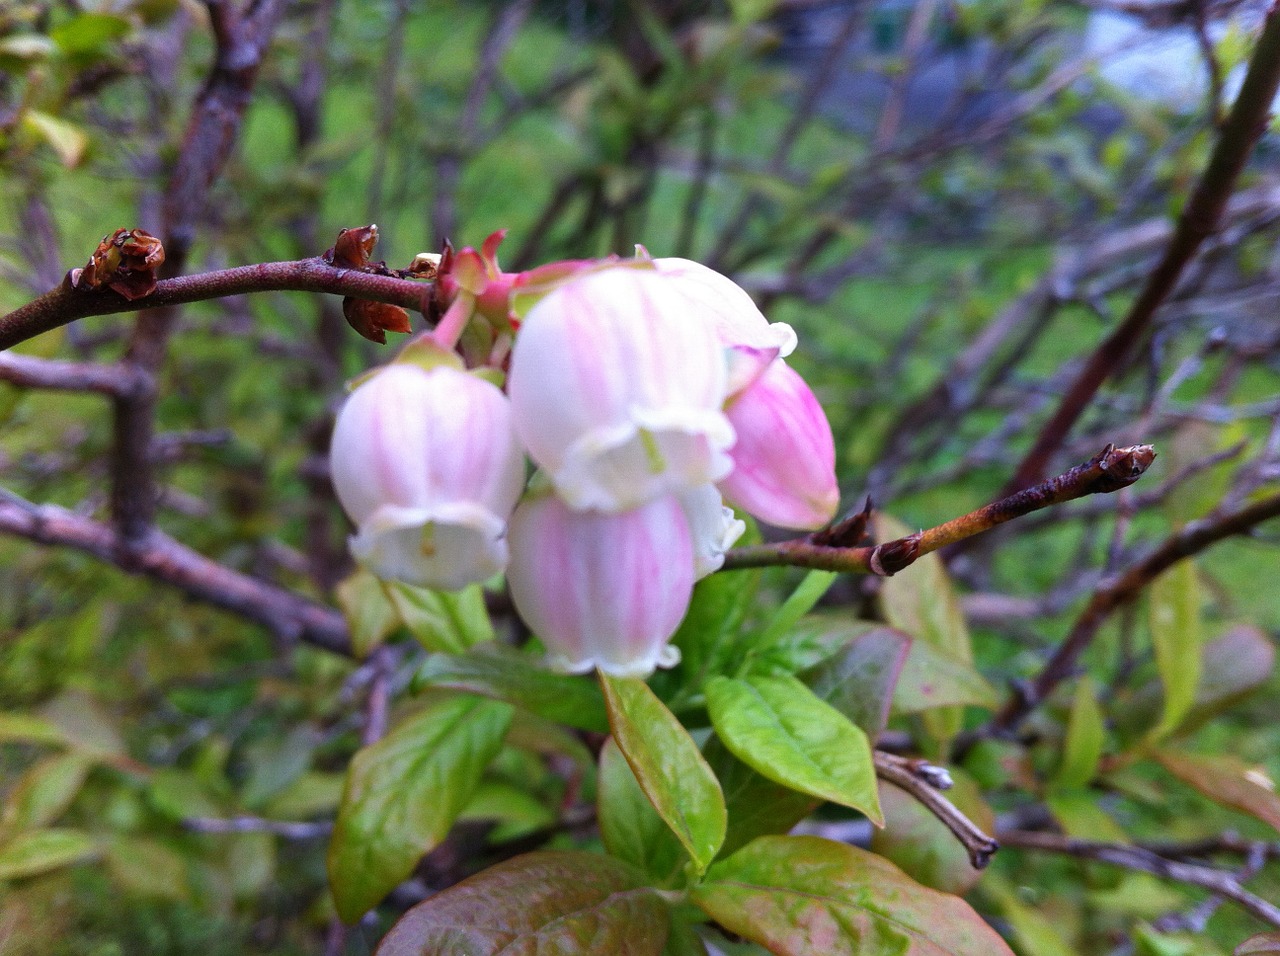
pixel 602 590
pixel 784 459
pixel 427 465
pixel 713 528
pixel 617 388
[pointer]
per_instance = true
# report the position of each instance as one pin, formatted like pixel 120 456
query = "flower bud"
pixel 616 390
pixel 426 463
pixel 602 590
pixel 784 460
pixel 712 528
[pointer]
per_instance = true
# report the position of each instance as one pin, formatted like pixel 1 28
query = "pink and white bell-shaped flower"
pixel 713 528
pixel 427 465
pixel 617 389
pixel 602 590
pixel 752 340
pixel 784 460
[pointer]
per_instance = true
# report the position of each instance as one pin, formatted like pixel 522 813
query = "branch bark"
pixel 921 781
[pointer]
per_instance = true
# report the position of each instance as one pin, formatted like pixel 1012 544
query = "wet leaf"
pixel 668 766
pixel 404 793
pixel 804 895
pixel 563 902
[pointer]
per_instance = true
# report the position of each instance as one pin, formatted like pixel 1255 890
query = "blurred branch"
pixel 308 830
pixel 1189 540
pixel 1242 129
pixel 160 558
pixel 66 304
pixel 924 781
pixel 27 371
pixel 1110 470
pixel 1136 858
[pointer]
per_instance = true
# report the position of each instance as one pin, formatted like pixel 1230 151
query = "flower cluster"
pixel 647 393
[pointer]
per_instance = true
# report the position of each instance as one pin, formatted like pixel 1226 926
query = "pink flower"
pixel 426 463
pixel 617 389
pixel 784 460
pixel 712 528
pixel 602 590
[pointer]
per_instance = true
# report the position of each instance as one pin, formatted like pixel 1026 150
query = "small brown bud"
pixel 1121 467
pixel 374 319
pixel 127 262
pixel 847 533
pixel 354 247
pixel 891 557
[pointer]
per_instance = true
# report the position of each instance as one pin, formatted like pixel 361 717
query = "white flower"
pixel 712 528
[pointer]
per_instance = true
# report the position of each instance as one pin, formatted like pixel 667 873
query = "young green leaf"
pixel 404 793
pixel 44 792
pixel 757 806
pixel 1175 634
pixel 446 621
pixel 564 902
pixel 801 895
pixel 779 728
pixel 370 615
pixel 808 593
pixel 931 678
pixel 859 681
pixel 715 617
pixel 39 851
pixel 668 766
pixel 492 670
pixel 1086 735
pixel 630 827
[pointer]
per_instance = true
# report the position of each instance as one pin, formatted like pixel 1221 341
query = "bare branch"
pixel 28 371
pixel 923 781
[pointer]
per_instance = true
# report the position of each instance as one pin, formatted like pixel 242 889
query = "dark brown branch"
pixel 65 304
pixel 1189 540
pixel 921 781
pixel 1110 470
pixel 160 558
pixel 1135 858
pixel 1243 127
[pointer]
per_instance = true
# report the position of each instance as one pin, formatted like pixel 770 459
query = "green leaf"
pixel 921 602
pixel 89 33
pixel 779 728
pixel 860 680
pixel 814 639
pixel 805 895
pixel 44 792
pixel 919 843
pixel 148 868
pixel 1174 606
pixel 715 617
pixel 39 851
pixel 630 827
pixel 1035 932
pixel 756 805
pixel 404 793
pixel 493 670
pixel 1086 734
pixel 85 724
pixel 370 614
pixel 29 729
pixel 668 766
pixel 66 139
pixel 1079 815
pixel 516 812
pixel 802 600
pixel 931 678
pixel 562 902
pixel 277 761
pixel 1226 780
pixel 446 621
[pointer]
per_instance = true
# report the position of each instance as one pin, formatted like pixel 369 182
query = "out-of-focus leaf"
pixel 1190 443
pixel 148 868
pixel 779 728
pixel 250 862
pixel 931 678
pixel 668 766
pixel 404 793
pixel 39 851
pixel 751 11
pixel 277 762
pixel 811 641
pixel 504 674
pixel 919 843
pixel 44 792
pixel 757 806
pixel 801 601
pixel 564 902
pixel 1079 815
pixel 803 895
pixel 311 794
pixel 1226 780
pixel 369 612
pixel 921 602
pixel 715 617
pixel 26 46
pixel 1035 933
pixel 1174 605
pixel 178 794
pixel 515 811
pixel 446 621
pixel 859 681
pixel 84 723
pixel 1257 945
pixel 1086 734
pixel 89 33
pixel 630 827
pixel 66 139
pixel 29 729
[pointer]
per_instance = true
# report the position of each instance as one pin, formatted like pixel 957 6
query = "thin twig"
pixel 307 830
pixel 1135 858
pixel 1108 471
pixel 922 781
pixel 27 371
